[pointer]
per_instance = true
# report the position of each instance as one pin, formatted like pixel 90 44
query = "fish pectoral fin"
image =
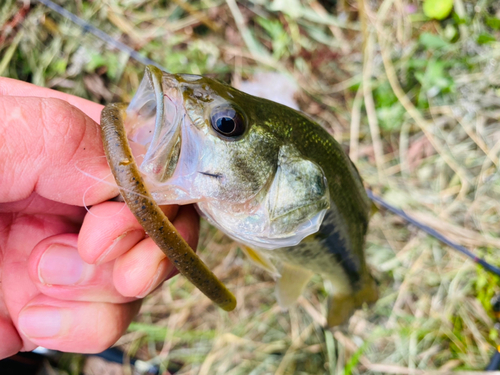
pixel 260 260
pixel 299 192
pixel 290 285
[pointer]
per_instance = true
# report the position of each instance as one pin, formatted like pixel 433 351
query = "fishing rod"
pixel 87 27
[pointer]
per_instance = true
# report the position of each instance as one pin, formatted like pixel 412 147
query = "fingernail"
pixel 61 265
pixel 40 321
pixel 127 239
pixel 164 269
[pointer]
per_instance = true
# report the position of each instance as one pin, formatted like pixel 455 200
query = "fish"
pixel 266 175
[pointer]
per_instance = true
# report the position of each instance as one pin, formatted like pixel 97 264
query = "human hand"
pixel 70 280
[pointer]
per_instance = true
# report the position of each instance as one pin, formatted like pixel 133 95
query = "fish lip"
pixel 163 152
pixel 155 78
pixel 163 140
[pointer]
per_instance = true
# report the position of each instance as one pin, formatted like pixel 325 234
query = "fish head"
pixel 197 140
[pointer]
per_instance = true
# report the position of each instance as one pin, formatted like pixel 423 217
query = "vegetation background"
pixel 416 102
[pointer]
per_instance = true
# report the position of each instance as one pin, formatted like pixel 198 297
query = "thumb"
pixel 49 147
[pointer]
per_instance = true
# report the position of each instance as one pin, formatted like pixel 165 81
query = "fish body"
pixel 266 175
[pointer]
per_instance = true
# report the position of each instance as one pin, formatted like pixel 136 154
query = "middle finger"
pixel 58 271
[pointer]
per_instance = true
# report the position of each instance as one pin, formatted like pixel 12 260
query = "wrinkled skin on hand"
pixel 70 279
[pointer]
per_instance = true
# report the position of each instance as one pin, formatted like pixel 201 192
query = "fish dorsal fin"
pixel 260 259
pixel 298 193
pixel 290 285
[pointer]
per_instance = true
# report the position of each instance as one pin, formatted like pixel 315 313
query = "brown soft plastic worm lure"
pixel 149 214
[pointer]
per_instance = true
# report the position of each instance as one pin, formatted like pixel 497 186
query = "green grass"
pixel 415 101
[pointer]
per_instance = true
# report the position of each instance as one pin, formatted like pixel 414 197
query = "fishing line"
pixel 87 27
pixel 434 233
pixel 87 190
pixel 103 181
pixel 144 60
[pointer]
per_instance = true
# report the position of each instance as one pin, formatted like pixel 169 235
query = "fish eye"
pixel 227 121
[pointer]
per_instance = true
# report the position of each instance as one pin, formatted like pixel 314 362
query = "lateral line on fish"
pixel 86 26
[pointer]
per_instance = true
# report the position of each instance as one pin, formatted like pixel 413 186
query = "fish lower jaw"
pixel 258 234
pixel 173 196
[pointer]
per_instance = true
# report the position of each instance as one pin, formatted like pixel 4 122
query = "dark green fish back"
pixel 336 250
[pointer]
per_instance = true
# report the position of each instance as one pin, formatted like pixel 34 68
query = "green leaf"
pixel 96 61
pixel 493 22
pixel 458 20
pixel 60 66
pixel 485 38
pixel 438 9
pixel 353 361
pixel 278 34
pixel 493 334
pixel 430 41
pixel 391 118
pixel 418 64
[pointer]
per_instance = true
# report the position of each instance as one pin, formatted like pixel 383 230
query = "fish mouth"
pixel 164 142
pixel 153 125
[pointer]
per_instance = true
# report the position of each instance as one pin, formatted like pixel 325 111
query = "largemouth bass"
pixel 266 175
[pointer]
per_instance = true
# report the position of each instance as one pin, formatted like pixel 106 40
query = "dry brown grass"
pixel 421 120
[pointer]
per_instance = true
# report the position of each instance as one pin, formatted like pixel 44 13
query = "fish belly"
pixel 330 253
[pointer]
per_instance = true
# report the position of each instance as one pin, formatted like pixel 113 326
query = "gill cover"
pixel 256 188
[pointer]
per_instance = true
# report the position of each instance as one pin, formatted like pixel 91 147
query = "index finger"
pixel 52 148
pixel 13 87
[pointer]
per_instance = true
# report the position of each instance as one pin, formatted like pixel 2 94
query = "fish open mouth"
pixel 164 143
pixel 182 162
pixel 153 127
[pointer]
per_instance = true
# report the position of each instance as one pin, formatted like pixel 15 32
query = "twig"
pixel 7 28
pixel 252 45
pixel 355 122
pixel 197 14
pixel 370 106
pixel 294 345
pixel 336 30
pixel 417 117
pixel 10 52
